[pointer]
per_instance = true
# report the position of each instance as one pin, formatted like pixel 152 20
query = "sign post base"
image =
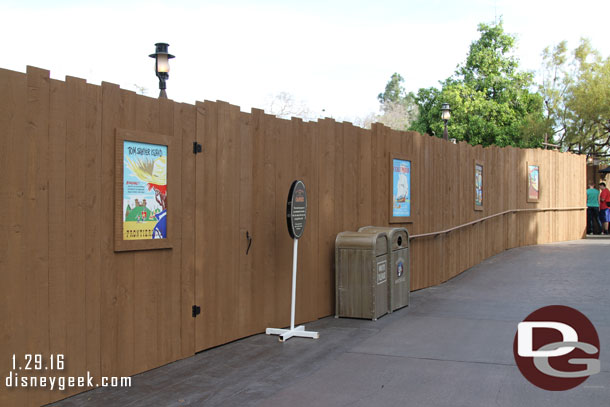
pixel 285 334
pixel 299 331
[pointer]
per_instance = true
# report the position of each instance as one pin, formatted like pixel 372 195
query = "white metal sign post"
pixel 296 214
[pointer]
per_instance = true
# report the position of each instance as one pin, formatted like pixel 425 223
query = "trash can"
pixel 399 277
pixel 361 275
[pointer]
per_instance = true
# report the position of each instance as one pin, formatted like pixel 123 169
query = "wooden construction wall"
pixel 65 290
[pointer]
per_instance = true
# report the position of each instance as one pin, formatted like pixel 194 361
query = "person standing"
pixel 604 212
pixel 593 224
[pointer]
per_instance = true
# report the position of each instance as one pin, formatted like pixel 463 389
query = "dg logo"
pixel 557 348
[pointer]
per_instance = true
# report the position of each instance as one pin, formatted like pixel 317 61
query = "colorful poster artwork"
pixel 533 182
pixel 478 185
pixel 144 191
pixel 401 181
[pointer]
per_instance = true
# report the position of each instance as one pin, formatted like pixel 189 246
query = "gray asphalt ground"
pixel 451 347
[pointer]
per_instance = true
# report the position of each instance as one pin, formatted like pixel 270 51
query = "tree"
pixel 284 105
pixel 398 108
pixel 577 97
pixel 490 98
pixel 142 90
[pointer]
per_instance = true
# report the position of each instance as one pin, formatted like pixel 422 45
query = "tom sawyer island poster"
pixel 144 191
pixel 401 188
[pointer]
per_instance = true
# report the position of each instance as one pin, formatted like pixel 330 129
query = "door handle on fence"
pixel 249 241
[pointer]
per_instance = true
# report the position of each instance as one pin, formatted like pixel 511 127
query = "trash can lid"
pixel 398 236
pixel 376 241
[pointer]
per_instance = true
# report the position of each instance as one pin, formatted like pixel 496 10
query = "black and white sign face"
pixel 296 209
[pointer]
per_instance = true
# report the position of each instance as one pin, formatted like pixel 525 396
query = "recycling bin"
pixel 361 275
pixel 399 271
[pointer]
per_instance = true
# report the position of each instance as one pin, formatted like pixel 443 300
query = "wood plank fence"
pixel 64 290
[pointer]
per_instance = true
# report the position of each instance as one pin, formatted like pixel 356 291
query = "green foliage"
pixel 398 107
pixel 489 97
pixel 577 97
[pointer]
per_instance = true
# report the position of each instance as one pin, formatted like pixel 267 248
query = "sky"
pixel 335 57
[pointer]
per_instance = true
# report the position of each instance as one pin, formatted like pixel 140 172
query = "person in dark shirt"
pixel 604 212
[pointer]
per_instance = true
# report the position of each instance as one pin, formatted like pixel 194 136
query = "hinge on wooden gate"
pixel 196 310
pixel 196 147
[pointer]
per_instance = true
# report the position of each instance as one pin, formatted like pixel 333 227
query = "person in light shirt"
pixel 593 224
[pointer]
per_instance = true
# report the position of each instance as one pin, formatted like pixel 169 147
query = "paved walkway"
pixel 451 347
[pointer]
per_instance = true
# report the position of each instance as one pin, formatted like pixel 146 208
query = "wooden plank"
pixel 376 179
pixel 76 332
pixel 58 298
pixel 228 216
pixel 245 296
pixel 36 222
pixel 93 226
pixel 350 177
pixel 13 148
pixel 204 211
pixel 364 187
pixel 207 228
pixel 268 227
pixel 326 232
pixel 263 204
pixel 438 222
pixel 311 167
pixel 284 175
pixel 336 135
pixel 416 253
pixel 185 127
pixel 169 313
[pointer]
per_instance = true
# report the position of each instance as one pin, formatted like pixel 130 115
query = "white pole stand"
pixel 285 334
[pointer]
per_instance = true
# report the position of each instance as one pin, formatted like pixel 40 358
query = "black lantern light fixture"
pixel 162 58
pixel 445 115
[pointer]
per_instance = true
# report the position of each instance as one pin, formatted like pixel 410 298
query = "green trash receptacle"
pixel 399 269
pixel 361 275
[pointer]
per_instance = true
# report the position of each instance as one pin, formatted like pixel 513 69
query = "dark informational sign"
pixel 296 209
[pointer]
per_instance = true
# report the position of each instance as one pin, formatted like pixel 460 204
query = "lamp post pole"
pixel 445 115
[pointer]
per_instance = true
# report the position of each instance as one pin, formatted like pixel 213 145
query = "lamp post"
pixel 162 58
pixel 445 115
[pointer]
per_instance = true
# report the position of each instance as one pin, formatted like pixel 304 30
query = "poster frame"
pixel 120 244
pixel 527 180
pixel 400 219
pixel 478 163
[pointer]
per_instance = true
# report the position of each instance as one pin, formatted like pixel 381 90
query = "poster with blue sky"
pixel 401 188
pixel 144 191
pixel 533 183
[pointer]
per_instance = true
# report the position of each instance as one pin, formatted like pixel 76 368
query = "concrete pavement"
pixel 451 347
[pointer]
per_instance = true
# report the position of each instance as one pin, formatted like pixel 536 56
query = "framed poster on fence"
pixel 142 189
pixel 401 204
pixel 478 186
pixel 533 182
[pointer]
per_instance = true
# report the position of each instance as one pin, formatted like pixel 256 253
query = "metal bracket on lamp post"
pixel 163 76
